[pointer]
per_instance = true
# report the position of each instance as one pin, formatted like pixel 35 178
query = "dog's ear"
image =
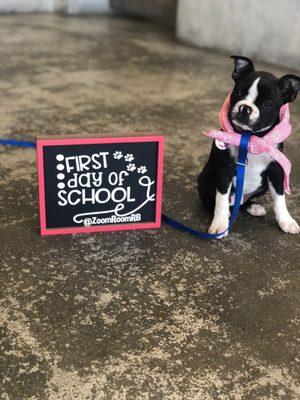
pixel 289 86
pixel 242 67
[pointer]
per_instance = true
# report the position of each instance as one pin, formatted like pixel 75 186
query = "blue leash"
pixel 16 143
pixel 240 174
pixel 242 158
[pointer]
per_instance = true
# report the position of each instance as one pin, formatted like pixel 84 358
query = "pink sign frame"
pixel 92 140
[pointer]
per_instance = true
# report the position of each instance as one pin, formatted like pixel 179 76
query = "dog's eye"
pixel 268 103
pixel 239 92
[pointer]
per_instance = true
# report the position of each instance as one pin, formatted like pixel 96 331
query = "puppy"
pixel 254 107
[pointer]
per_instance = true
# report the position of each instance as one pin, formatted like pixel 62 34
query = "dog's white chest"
pixel 257 163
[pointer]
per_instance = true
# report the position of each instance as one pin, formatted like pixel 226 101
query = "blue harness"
pixel 240 175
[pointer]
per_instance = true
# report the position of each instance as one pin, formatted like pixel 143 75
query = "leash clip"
pixel 244 165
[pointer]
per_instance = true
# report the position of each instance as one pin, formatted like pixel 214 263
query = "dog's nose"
pixel 245 110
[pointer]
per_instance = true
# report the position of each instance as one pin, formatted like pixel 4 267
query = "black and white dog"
pixel 254 107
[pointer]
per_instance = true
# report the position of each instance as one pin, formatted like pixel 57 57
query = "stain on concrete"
pixel 152 314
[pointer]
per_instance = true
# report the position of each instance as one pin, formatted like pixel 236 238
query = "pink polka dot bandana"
pixel 266 144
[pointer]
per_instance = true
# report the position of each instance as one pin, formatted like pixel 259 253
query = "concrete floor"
pixel 152 314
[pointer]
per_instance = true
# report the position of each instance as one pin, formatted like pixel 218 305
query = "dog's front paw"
pixel 219 225
pixel 289 226
pixel 256 210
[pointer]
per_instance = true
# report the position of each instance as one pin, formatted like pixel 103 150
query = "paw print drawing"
pixel 117 155
pixel 142 169
pixel 131 167
pixel 129 157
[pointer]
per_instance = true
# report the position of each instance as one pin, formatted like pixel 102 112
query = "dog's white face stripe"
pixel 253 92
pixel 249 100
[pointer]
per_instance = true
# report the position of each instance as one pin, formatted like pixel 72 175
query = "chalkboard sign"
pixel 99 184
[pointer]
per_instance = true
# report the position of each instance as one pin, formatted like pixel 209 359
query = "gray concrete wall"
pixel 70 6
pixel 263 29
pixel 162 11
pixel 88 6
pixel 8 6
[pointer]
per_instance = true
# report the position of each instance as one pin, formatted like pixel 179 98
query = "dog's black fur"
pixel 271 94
